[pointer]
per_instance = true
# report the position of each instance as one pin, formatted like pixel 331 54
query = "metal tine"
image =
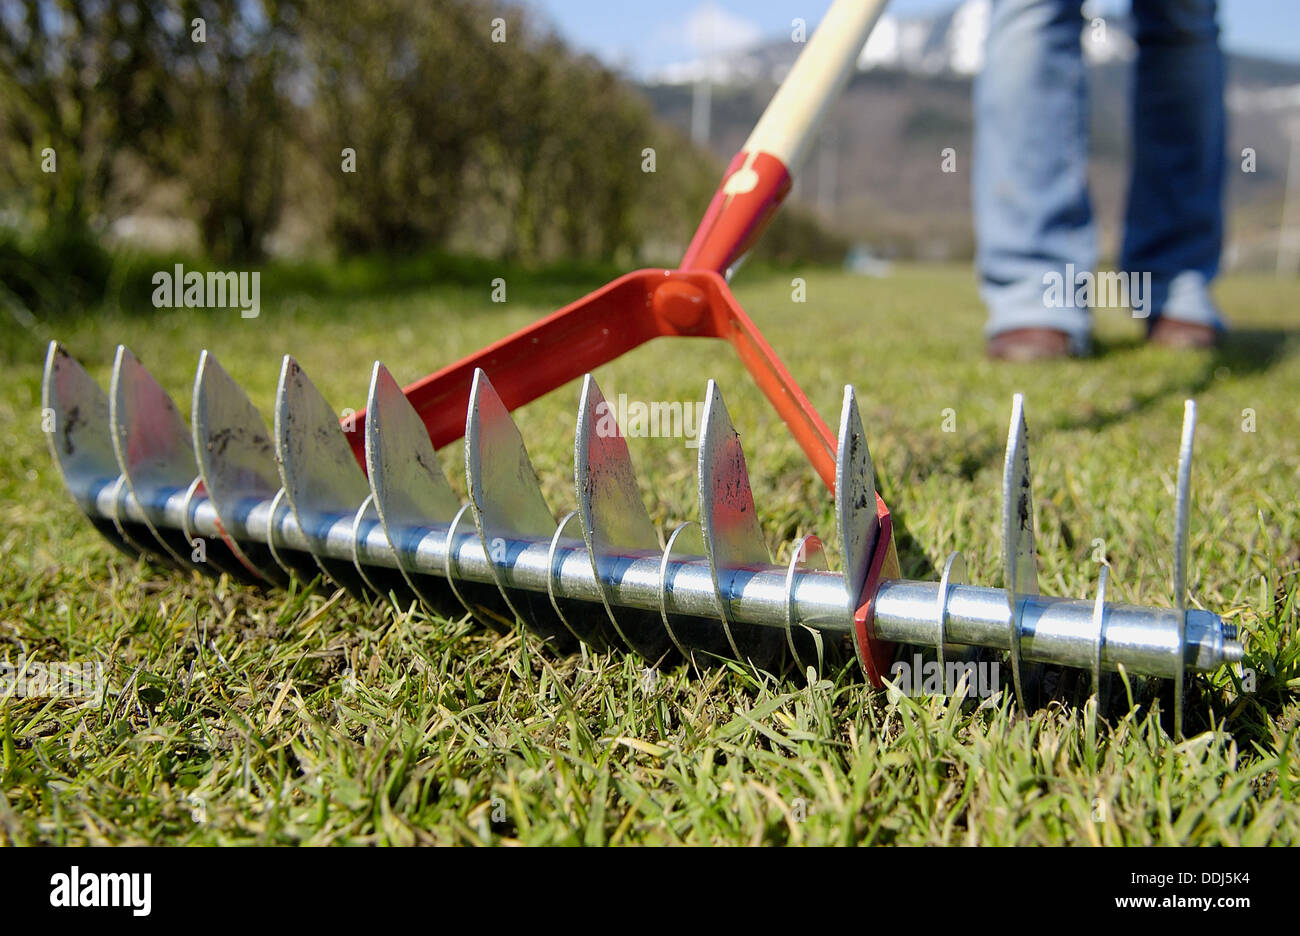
pixel 954 573
pixel 322 481
pixel 807 645
pixel 173 544
pixel 856 519
pixel 690 634
pixel 507 503
pixel 615 523
pixel 236 461
pixel 81 444
pixel 410 491
pixel 380 580
pixel 1019 554
pixel 595 630
pixel 291 561
pixel 1182 516
pixel 733 539
pixel 484 601
pixel 1099 626
pixel 155 452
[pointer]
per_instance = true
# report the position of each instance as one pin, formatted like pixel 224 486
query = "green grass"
pixel 305 717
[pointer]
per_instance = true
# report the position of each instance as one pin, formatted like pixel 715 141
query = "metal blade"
pixel 155 451
pixel 410 490
pixel 507 503
pixel 291 561
pixel 856 519
pixel 596 630
pixel 236 460
pixel 130 396
pixel 1182 517
pixel 1019 556
pixel 484 600
pixel 807 645
pixel 391 583
pixel 733 540
pixel 954 573
pixel 699 639
pixel 1099 626
pixel 615 523
pixel 322 481
pixel 81 444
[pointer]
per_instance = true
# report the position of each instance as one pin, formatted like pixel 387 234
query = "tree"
pixel 234 119
pixel 407 85
pixel 80 81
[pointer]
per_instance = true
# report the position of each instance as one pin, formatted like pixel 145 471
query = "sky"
pixel 639 37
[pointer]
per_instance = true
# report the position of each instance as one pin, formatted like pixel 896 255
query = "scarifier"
pixel 371 511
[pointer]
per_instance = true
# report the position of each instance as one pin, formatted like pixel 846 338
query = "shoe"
pixel 1029 344
pixel 1172 333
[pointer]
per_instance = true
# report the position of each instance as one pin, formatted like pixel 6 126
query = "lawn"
pixel 306 717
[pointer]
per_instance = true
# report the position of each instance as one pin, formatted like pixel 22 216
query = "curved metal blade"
pixel 507 503
pixel 1182 519
pixel 484 600
pixel 81 444
pixel 1019 555
pixel 857 521
pixel 733 539
pixel 322 481
pixel 1099 626
pixel 807 645
pixel 954 573
pixel 591 629
pixel 236 460
pixel 691 635
pixel 390 583
pixel 376 579
pixel 292 562
pixel 155 451
pixel 132 393
pixel 615 524
pixel 410 490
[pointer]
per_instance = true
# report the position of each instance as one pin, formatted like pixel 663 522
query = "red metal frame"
pixel 752 189
pixel 600 327
pixel 692 301
pixel 872 653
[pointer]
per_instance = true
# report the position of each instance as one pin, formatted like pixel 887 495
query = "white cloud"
pixel 710 29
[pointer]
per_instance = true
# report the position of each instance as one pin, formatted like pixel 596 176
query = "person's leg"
pixel 1174 220
pixel 1030 182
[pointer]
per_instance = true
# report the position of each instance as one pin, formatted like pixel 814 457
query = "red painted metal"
pixel 693 301
pixel 600 327
pixel 752 188
pixel 873 654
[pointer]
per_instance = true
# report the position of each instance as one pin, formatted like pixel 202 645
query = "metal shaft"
pixel 400 531
pixel 1053 630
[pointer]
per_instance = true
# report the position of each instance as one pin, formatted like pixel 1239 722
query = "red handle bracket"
pixel 597 329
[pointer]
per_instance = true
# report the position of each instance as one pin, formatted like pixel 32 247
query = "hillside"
pixel 875 174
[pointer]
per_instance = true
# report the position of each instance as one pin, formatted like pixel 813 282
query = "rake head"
pixel 224 496
pixel 370 510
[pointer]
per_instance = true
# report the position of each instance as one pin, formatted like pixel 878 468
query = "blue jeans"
pixel 1030 183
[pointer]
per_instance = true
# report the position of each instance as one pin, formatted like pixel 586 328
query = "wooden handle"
pixel 788 126
pixel 760 175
